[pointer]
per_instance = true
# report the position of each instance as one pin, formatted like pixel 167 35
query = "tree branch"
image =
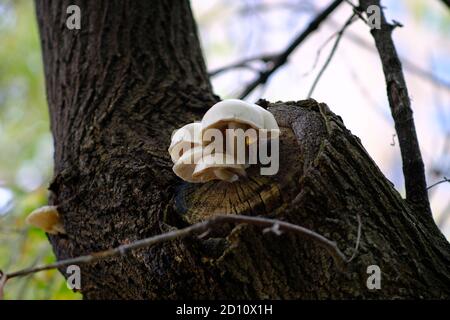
pixel 400 104
pixel 447 3
pixel 269 225
pixel 439 182
pixel 359 41
pixel 281 59
pixel 244 63
pixel 408 64
pixel 330 56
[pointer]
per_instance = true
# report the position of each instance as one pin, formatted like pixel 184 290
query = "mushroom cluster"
pixel 205 151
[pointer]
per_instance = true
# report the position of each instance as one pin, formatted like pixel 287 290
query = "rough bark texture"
pixel 116 90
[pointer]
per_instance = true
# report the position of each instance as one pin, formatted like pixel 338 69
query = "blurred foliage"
pixel 430 15
pixel 25 155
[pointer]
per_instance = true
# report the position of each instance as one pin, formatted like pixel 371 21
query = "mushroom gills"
pixel 208 168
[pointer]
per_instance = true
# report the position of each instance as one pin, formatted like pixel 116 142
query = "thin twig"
pixel 357 11
pixel 319 52
pixel 268 59
pixel 330 56
pixel 198 228
pixel 407 63
pixel 283 57
pixel 439 182
pixel 244 63
pixel 400 104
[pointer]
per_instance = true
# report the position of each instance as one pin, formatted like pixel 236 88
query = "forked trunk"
pixel 117 89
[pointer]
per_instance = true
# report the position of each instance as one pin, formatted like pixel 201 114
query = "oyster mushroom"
pixel 198 165
pixel 184 167
pixel 46 218
pixel 238 114
pixel 218 166
pixel 185 138
pixel 233 114
pixel 197 148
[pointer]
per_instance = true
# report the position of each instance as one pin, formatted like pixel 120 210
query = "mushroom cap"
pixel 219 166
pixel 233 110
pixel 46 218
pixel 184 167
pixel 185 138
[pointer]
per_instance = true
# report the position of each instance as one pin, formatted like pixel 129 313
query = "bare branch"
pixel 408 64
pixel 283 57
pixel 275 226
pixel 400 104
pixel 439 182
pixel 353 37
pixel 357 11
pixel 244 63
pixel 447 3
pixel 330 56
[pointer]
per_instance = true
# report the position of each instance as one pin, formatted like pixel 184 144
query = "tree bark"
pixel 117 89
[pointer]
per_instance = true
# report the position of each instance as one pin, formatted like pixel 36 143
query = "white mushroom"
pixel 238 114
pixel 197 148
pixel 198 165
pixel 218 166
pixel 233 113
pixel 185 165
pixel 46 218
pixel 185 138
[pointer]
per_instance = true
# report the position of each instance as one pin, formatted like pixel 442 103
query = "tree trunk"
pixel 117 89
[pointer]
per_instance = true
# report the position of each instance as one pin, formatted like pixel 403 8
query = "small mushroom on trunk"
pixel 46 218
